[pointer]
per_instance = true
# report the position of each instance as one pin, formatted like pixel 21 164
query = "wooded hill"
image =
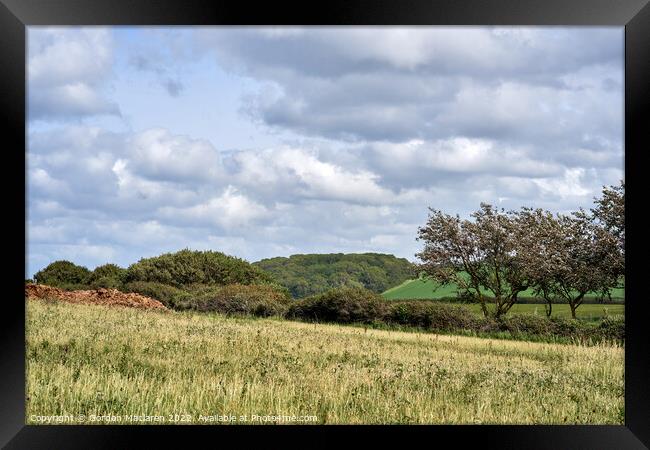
pixel 310 274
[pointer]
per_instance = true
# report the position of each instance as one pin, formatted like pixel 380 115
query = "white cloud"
pixel 67 69
pixel 229 210
pixel 363 129
pixel 157 154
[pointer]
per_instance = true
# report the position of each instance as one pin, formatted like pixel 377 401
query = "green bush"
pixel 526 323
pixel 343 305
pixel 567 327
pixel 187 267
pixel 238 299
pixel 63 274
pixel 611 328
pixel 170 296
pixel 107 276
pixel 432 315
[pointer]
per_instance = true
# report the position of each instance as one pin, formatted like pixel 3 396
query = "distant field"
pixel 585 311
pixel 431 290
pixel 114 364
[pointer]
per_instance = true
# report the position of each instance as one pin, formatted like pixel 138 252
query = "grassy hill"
pixel 112 364
pixel 310 274
pixel 427 289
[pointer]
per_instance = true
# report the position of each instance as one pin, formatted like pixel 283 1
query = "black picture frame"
pixel 634 15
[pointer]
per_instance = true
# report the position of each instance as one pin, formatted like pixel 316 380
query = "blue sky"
pixel 263 142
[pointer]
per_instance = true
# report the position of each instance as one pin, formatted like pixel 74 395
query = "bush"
pixel 432 315
pixel 526 324
pixel 107 276
pixel 170 296
pixel 611 328
pixel 239 299
pixel 343 305
pixel 569 327
pixel 63 274
pixel 188 267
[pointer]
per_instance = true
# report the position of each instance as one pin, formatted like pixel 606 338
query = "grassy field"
pixel 430 290
pixel 114 363
pixel 585 311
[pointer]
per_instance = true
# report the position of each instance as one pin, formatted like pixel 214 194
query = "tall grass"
pixel 101 361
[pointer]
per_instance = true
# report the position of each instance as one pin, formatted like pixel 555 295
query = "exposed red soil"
pixel 107 297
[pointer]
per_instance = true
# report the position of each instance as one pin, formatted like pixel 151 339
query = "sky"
pixel 271 141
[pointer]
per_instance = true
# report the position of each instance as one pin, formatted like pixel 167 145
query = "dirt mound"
pixel 108 297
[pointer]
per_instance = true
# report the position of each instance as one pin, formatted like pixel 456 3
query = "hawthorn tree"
pixel 609 213
pixel 539 245
pixel 478 255
pixel 565 257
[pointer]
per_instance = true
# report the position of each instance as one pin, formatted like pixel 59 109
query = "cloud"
pixel 539 86
pixel 363 129
pixel 228 210
pixel 158 155
pixel 299 173
pixel 67 70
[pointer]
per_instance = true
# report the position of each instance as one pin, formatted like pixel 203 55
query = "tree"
pixel 565 257
pixel 63 274
pixel 539 244
pixel 107 276
pixel 187 267
pixel 609 213
pixel 311 274
pixel 483 249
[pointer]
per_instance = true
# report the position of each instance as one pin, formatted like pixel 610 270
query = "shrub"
pixel 343 305
pixel 611 328
pixel 107 276
pixel 569 327
pixel 527 324
pixel 238 299
pixel 432 315
pixel 63 274
pixel 187 267
pixel 170 296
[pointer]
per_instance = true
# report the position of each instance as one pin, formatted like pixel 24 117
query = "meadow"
pixel 118 363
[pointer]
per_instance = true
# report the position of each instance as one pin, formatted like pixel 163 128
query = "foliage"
pixel 107 276
pixel 432 315
pixel 610 214
pixel 188 267
pixel 170 296
pixel 238 299
pixel 565 257
pixel 63 274
pixel 306 275
pixel 342 305
pixel 483 249
pixel 499 255
pixel 611 328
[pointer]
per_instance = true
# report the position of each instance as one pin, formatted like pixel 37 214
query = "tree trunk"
pixel 549 308
pixel 575 303
pixel 483 307
pixel 573 309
